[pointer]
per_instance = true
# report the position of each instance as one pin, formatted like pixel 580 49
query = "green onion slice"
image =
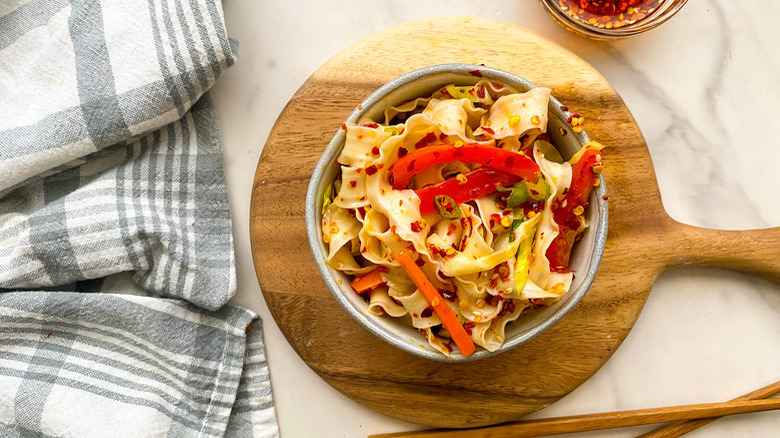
pixel 446 207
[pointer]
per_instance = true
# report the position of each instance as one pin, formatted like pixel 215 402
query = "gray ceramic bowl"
pixel 585 258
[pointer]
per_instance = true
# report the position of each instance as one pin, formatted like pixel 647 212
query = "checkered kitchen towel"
pixel 112 182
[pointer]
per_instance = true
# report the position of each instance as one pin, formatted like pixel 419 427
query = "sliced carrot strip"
pixel 367 282
pixel 443 311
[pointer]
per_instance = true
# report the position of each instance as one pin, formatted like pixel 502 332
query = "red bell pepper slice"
pixel 478 183
pixel 581 185
pixel 559 251
pixel 583 177
pixel 501 159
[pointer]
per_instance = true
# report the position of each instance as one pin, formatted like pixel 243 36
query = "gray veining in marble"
pixel 704 88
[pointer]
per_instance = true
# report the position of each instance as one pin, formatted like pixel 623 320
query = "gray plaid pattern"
pixel 156 207
pixel 112 181
pixel 103 354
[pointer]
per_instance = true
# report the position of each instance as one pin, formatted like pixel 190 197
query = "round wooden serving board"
pixel 642 239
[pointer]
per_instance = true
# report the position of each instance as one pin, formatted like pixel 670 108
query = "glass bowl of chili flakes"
pixel 611 19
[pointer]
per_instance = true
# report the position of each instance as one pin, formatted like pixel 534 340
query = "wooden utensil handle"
pixel 682 427
pixel 753 251
pixel 606 420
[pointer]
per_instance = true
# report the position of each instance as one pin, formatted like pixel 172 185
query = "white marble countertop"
pixel 704 89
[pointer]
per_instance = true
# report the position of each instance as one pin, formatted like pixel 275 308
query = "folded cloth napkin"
pixel 112 182
pixel 107 365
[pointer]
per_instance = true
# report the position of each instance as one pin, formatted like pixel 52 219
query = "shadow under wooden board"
pixel 642 239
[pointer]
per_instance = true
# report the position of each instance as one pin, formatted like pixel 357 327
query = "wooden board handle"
pixel 752 251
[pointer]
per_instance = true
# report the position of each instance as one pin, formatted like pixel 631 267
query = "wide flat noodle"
pixel 353 189
pixel 516 114
pixel 380 303
pixel 540 273
pixel 341 228
pixel 477 255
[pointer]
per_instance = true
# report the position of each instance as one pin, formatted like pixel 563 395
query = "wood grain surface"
pixel 642 240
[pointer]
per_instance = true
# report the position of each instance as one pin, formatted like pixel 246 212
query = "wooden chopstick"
pixel 679 428
pixel 606 420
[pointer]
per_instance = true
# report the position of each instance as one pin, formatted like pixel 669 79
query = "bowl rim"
pixel 330 154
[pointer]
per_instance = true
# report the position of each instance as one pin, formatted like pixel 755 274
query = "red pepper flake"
pixel 370 170
pixel 496 85
pixel 508 307
pixel 445 93
pixel 416 226
pixel 410 167
pixel 375 150
pixel 564 108
pixel 358 170
pixel 353 184
pixel 442 137
pixel 360 137
pixel 447 346
pixel 451 228
pixel 488 130
pixel 427 312
pixel 370 125
pixel 49 335
pixel 344 126
pixel 419 262
pixel 610 14
pixel 362 211
pixel 393 228
pixel 605 197
pixel 362 198
pixel 402 152
pixel 481 92
pixel 468 326
pixel 425 141
pixel 503 271
pixel 536 302
pixel 476 73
